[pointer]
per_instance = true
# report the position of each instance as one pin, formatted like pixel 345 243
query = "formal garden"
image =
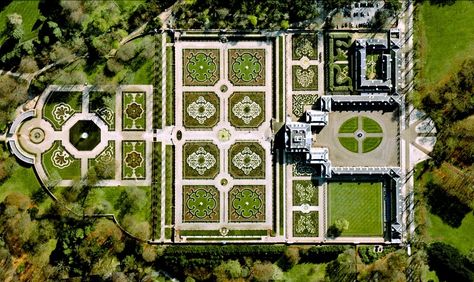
pixel 355 209
pixel 360 134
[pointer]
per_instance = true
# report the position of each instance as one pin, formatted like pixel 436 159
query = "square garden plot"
pixel 305 224
pixel 201 109
pixel 304 45
pixel 247 160
pixel 200 67
pixel 200 204
pixel 247 67
pixel 200 160
pixel 360 204
pixel 247 204
pixel 305 79
pixel 305 192
pixel 247 109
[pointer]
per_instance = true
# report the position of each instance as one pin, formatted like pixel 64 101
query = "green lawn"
pixel 446 36
pixel 305 272
pixel 23 180
pixel 350 143
pixel 370 144
pixel 371 126
pixel 460 238
pixel 349 126
pixel 29 12
pixel 360 204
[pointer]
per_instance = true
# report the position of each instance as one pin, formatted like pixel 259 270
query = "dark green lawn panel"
pixel 281 79
pixel 350 143
pixel 360 203
pixel 349 126
pixel 169 184
pixel 169 86
pixel 158 84
pixel 370 144
pixel 191 147
pixel 371 126
pixel 156 187
pixel 282 193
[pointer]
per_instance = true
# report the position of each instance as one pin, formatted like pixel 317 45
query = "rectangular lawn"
pixel 360 203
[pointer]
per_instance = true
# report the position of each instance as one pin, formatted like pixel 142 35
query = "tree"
pixel 448 262
pixel 230 269
pixel 343 268
pixel 15 26
pixel 393 6
pixel 262 271
pixel 28 65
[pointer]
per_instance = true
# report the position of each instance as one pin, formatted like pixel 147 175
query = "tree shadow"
pixel 442 2
pixel 447 207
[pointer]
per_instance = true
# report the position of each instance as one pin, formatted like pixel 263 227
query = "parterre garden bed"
pixel 106 159
pixel 247 160
pixel 300 101
pixel 305 224
pixel 134 111
pixel 60 106
pixel 200 160
pixel 305 192
pixel 338 62
pixel 247 67
pixel 59 164
pixel 103 104
pixel 200 204
pixel 304 45
pixel 133 159
pixel 247 109
pixel 200 109
pixel 201 67
pixel 305 79
pixel 360 203
pixel 247 204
